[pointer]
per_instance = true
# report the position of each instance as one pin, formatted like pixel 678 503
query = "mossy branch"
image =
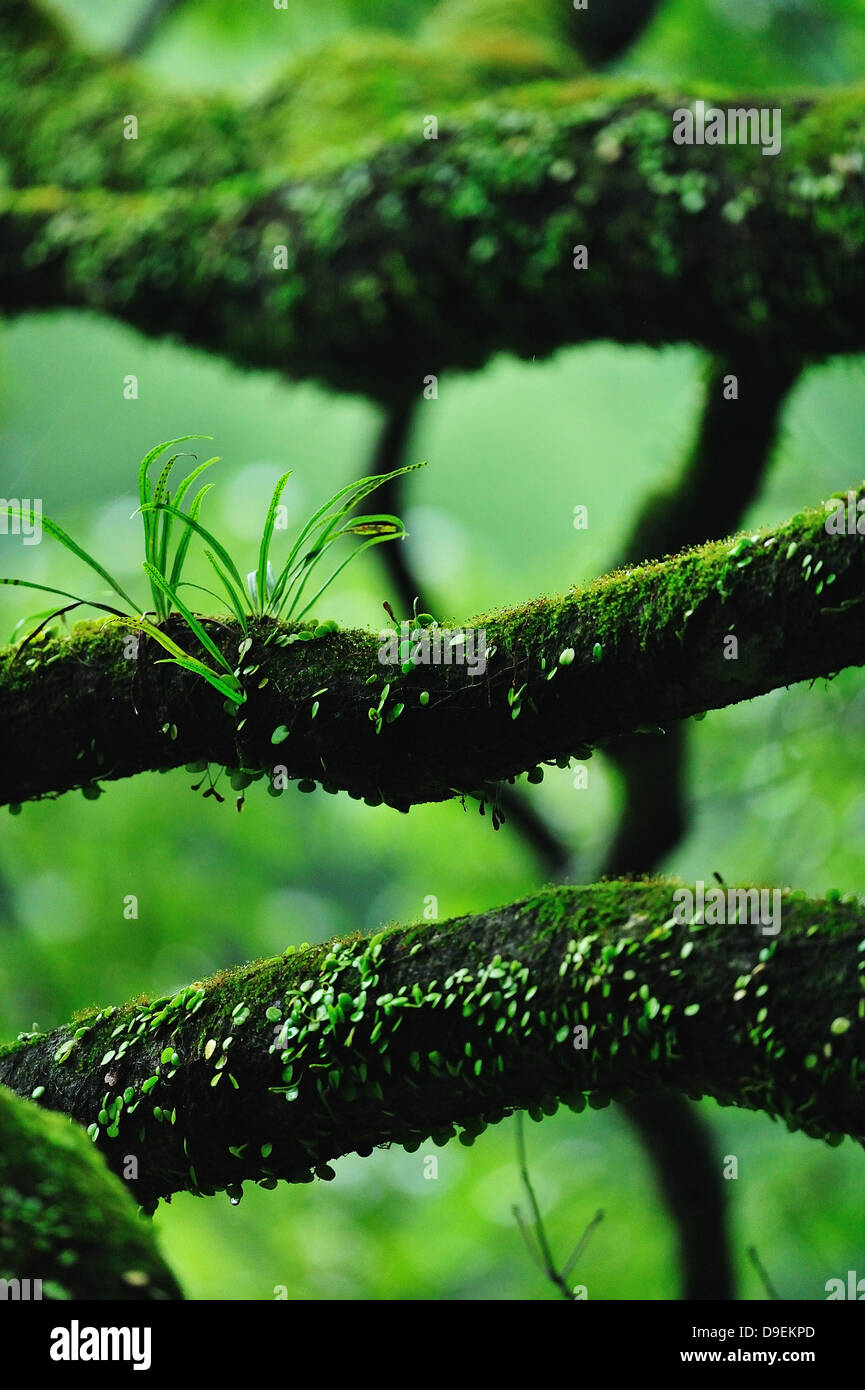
pixel 65 1219
pixel 634 651
pixel 269 1071
pixel 178 230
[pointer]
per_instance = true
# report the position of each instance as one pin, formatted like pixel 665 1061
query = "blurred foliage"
pixel 775 787
pixel 755 43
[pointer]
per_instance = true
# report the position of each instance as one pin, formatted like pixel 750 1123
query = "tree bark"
pixel 589 994
pixel 403 255
pixel 650 646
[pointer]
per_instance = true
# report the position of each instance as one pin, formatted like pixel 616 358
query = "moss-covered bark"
pixel 63 109
pixel 65 1219
pixel 634 651
pixel 406 255
pixel 578 994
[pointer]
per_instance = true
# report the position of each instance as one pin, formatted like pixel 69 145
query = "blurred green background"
pixel 775 787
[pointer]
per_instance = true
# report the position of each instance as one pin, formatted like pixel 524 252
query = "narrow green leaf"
pixel 235 603
pixel 378 524
pixel 218 548
pixel 47 589
pixel 360 490
pixel 160 556
pixel 160 492
pixel 373 540
pixel 183 543
pixel 60 535
pixel 198 668
pixel 266 540
pixel 183 487
pixel 149 521
pixel 204 638
pixel 40 620
pixel 151 456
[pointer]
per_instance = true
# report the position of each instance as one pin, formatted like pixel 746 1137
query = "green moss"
pixel 64 1218
pixel 333 157
pixel 402 1036
pixel 662 624
pixel 63 110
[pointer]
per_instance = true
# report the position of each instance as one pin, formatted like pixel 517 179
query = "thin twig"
pixel 771 1291
pixel 543 1256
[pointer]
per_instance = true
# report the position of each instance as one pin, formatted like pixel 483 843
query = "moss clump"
pixel 64 1218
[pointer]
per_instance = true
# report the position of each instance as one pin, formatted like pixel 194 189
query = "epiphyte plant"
pixel 265 595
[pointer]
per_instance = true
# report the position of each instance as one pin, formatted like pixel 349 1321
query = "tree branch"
pixel 271 1070
pixel 683 1152
pixel 649 645
pixel 709 244
pixel 733 442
